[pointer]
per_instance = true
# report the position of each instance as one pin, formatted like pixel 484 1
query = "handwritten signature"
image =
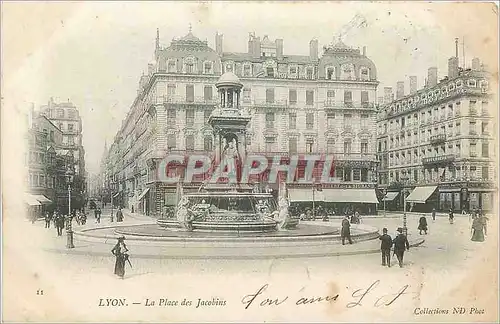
pixel 260 298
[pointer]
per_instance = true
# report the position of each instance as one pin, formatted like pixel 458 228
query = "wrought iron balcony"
pixel 186 100
pixel 269 104
pixel 441 159
pixel 438 139
pixel 348 105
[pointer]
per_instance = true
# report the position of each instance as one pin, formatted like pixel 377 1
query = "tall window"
pixel 189 117
pixel 207 67
pixel 330 120
pixel 347 97
pixel 270 95
pixel 364 147
pixel 309 145
pixel 330 145
pixel 190 143
pixel 269 120
pixel 292 145
pixel 292 96
pixel 170 90
pixel 472 127
pixel 356 174
pixel 189 93
pixel 207 144
pixel 309 97
pixel 472 149
pixel 292 121
pixel 270 72
pixel 189 67
pixel 485 173
pixel 171 141
pixel 309 120
pixel 347 147
pixel 229 67
pixel 485 150
pixel 207 93
pixel 364 121
pixel 171 118
pixel 71 127
pixel 364 98
pixel 270 143
pixel 246 95
pixel 484 127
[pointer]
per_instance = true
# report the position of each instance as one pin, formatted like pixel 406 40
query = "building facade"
pixel 66 117
pixel 438 144
pixel 298 104
pixel 47 165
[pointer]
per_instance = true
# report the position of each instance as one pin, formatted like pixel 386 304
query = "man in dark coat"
pixel 345 232
pixel 120 252
pixel 385 247
pixel 119 215
pixel 400 245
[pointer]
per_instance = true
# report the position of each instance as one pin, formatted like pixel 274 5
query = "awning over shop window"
pixel 42 199
pixel 143 193
pixel 390 196
pixel 304 194
pixel 31 200
pixel 420 195
pixel 351 195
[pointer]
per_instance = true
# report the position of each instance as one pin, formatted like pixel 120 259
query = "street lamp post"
pixel 385 193
pixel 405 229
pixel 69 229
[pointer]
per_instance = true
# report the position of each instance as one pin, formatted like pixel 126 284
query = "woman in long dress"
pixel 477 229
pixel 422 225
pixel 120 252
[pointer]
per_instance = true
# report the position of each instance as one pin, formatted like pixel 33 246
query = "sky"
pixel 94 53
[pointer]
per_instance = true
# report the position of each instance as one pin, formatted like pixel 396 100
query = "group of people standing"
pixel 400 243
pixel 58 219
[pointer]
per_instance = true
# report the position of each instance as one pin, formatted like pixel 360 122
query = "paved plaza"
pixel 443 260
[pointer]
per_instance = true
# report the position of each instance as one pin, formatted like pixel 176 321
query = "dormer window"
pixel 293 71
pixel 309 73
pixel 229 67
pixel 270 72
pixel 347 72
pixel 330 73
pixel 451 87
pixel 364 74
pixel 459 83
pixel 247 70
pixel 207 68
pixel 171 66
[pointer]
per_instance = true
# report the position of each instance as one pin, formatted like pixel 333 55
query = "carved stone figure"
pixel 183 214
pixel 283 215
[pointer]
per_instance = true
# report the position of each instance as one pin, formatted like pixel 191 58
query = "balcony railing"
pixel 485 112
pixel 185 100
pixel 438 159
pixel 437 139
pixel 348 105
pixel 268 103
pixel 472 111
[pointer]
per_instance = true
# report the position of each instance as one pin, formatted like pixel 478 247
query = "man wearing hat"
pixel 345 232
pixel 400 245
pixel 120 252
pixel 385 247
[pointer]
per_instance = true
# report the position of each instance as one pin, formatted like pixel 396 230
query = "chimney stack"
pixel 432 77
pixel 456 47
pixel 453 67
pixel 313 49
pixel 400 89
pixel 256 47
pixel 364 50
pixel 476 64
pixel 388 95
pixel 279 49
pixel 413 84
pixel 218 43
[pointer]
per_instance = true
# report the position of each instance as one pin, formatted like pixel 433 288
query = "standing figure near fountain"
pixel 283 213
pixel 232 158
pixel 184 215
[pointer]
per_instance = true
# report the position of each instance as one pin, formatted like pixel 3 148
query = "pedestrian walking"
pixel 60 224
pixel 385 247
pixel 84 218
pixel 433 214
pixel 401 245
pixel 451 216
pixel 422 225
pixel 120 252
pixel 119 215
pixel 48 219
pixel 98 216
pixel 477 229
pixel 345 232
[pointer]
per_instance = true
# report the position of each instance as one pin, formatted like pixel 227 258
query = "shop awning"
pixel 351 195
pixel 420 195
pixel 42 199
pixel 390 196
pixel 31 200
pixel 143 193
pixel 304 194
